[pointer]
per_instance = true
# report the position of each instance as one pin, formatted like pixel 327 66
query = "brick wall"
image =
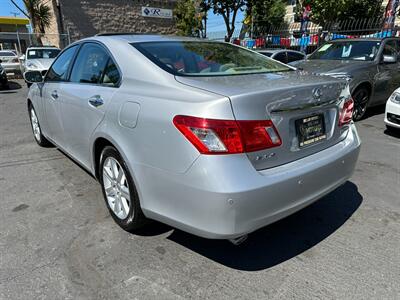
pixel 85 18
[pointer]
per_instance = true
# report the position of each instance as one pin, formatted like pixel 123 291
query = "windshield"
pixel 43 53
pixel 207 59
pixel 348 50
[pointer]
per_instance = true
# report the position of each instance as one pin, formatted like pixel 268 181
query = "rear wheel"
pixel 119 191
pixel 361 99
pixel 37 131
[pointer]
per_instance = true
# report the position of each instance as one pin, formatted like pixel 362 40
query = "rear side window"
pixel 111 75
pixel 59 70
pixel 293 56
pixel 90 64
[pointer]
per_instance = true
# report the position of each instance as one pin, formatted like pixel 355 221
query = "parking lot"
pixel 58 241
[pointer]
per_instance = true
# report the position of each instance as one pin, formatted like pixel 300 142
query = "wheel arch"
pixel 99 144
pixel 365 84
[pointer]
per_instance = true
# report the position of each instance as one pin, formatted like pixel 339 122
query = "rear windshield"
pixel 7 54
pixel 195 58
pixel 43 53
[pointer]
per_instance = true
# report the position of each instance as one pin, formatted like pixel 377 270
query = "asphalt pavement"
pixel 58 241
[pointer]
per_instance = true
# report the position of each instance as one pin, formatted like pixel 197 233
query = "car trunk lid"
pixel 288 99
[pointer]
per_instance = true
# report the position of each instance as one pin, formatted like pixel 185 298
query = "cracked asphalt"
pixel 57 240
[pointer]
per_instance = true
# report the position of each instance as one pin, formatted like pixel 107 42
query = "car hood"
pixel 42 63
pixel 322 66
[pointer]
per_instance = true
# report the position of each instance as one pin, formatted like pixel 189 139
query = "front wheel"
pixel 37 131
pixel 361 99
pixel 119 191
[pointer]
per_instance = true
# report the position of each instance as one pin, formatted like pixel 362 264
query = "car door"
pixel 388 77
pixel 93 81
pixel 52 97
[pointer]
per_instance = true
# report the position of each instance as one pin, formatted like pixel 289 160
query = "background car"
pixel 371 65
pixel 392 113
pixel 3 77
pixel 39 58
pixel 283 55
pixel 205 136
pixel 10 61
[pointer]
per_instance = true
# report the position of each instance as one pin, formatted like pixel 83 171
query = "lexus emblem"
pixel 317 94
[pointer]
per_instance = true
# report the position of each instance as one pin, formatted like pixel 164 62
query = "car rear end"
pixel 289 141
pixel 10 62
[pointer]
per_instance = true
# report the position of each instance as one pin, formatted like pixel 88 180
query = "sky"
pixel 7 8
pixel 215 22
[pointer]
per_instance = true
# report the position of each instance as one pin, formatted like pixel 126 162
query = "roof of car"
pixel 364 39
pixel 135 37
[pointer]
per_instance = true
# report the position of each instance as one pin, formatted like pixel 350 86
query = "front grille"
pixel 393 118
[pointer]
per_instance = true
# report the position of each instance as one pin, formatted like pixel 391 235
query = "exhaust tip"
pixel 239 240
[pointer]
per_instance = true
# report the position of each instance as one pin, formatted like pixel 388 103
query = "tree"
pixel 326 11
pixel 228 9
pixel 187 22
pixel 205 6
pixel 266 13
pixel 40 16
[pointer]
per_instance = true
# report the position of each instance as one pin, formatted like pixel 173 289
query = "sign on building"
pixel 156 12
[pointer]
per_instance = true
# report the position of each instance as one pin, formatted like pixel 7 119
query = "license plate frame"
pixel 310 130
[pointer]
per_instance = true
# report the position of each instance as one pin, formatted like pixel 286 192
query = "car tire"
pixel 36 129
pixel 117 186
pixel 361 97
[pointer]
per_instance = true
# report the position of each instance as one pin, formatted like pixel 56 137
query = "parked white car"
pixel 10 61
pixel 392 114
pixel 39 58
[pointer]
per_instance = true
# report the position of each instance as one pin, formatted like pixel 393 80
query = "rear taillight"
pixel 15 60
pixel 346 112
pixel 212 136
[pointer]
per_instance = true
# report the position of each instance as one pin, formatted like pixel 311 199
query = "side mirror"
pixel 33 76
pixel 390 59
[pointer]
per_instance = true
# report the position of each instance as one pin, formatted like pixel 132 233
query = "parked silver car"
pixel 286 56
pixel 205 136
pixel 371 65
pixel 10 61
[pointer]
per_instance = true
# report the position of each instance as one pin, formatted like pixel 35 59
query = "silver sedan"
pixel 208 137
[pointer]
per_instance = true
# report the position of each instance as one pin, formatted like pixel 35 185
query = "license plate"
pixel 310 130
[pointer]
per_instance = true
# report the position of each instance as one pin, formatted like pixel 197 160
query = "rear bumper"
pixel 392 114
pixel 224 197
pixel 12 67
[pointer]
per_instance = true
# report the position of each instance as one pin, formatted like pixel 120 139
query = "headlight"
pixel 395 97
pixel 32 66
pixel 346 76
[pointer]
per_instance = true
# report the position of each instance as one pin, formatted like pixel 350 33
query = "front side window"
pixel 348 50
pixel 59 69
pixel 90 64
pixel 196 58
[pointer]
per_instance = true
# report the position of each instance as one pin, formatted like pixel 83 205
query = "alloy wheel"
pixel 361 98
pixel 35 125
pixel 116 188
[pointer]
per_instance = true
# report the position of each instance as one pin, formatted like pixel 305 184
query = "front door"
pixel 52 95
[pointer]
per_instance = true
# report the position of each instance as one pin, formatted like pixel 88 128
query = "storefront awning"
pixel 13 21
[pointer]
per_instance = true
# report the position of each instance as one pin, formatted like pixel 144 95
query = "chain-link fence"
pixel 309 37
pixel 19 42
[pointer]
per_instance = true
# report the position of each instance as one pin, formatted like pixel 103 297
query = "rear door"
pixel 93 82
pixel 52 96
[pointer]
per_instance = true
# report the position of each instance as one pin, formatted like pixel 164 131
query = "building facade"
pixel 14 33
pixel 76 19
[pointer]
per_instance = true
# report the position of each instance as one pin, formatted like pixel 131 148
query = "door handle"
pixel 96 101
pixel 54 95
